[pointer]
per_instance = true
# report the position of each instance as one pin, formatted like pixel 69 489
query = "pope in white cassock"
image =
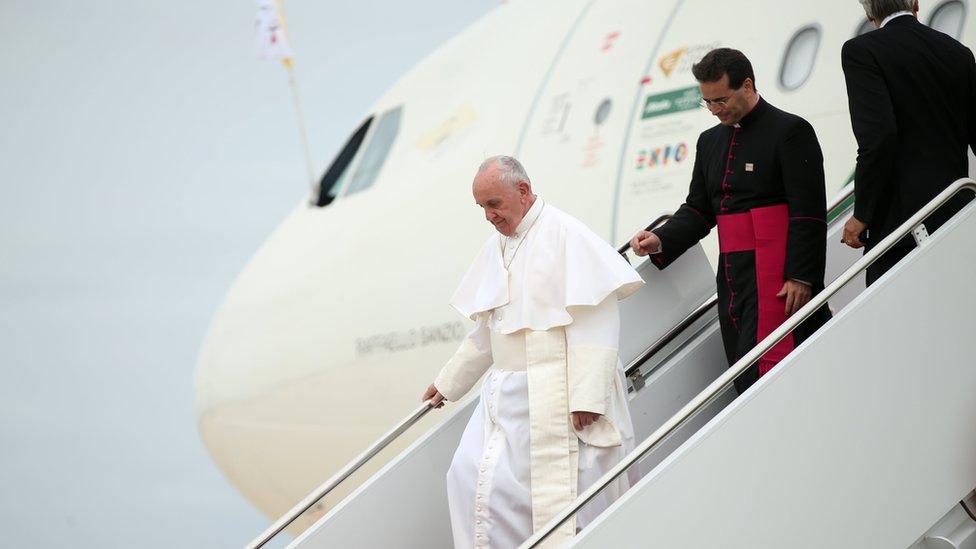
pixel 553 414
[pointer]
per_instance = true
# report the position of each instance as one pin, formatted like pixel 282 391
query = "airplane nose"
pixel 308 359
pixel 267 394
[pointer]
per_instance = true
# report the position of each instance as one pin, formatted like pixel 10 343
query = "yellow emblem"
pixel 670 61
pixel 462 118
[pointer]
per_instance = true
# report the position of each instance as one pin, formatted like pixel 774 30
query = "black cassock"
pixel 762 182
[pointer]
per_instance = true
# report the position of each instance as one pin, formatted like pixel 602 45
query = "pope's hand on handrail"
pixel 433 397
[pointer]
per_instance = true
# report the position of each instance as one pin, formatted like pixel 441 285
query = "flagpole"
pixel 289 63
pixel 309 168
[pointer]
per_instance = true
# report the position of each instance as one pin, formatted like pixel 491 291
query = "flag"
pixel 270 38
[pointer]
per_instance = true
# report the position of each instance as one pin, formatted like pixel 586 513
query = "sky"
pixel 146 152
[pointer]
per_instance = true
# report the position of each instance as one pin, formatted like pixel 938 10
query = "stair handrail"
pixel 337 478
pixel 724 381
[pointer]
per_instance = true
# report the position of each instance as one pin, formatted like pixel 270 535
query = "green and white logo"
pixel 685 99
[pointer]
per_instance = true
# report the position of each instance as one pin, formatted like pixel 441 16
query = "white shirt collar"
pixel 528 219
pixel 893 15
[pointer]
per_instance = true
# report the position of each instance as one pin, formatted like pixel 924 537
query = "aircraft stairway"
pixel 673 355
pixel 863 437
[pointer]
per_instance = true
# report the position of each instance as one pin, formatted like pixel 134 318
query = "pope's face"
pixel 505 205
pixel 727 104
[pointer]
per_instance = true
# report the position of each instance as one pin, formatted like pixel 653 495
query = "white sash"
pixel 554 452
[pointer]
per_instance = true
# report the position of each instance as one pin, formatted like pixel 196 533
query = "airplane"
pixel 340 320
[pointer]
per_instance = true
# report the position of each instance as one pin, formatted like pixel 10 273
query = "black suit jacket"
pixel 912 96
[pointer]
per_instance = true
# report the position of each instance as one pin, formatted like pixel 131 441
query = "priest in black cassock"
pixel 759 177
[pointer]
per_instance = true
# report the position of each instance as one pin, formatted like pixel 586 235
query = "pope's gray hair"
pixel 879 9
pixel 510 170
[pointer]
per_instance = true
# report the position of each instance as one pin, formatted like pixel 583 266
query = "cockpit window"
pixel 379 145
pixel 948 18
pixel 332 181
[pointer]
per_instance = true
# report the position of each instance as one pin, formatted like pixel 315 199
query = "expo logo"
pixel 662 156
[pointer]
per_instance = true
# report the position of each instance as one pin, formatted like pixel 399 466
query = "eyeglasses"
pixel 720 103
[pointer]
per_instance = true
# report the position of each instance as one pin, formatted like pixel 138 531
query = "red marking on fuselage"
pixel 609 40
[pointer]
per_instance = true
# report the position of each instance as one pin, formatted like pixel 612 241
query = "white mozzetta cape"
pixel 566 265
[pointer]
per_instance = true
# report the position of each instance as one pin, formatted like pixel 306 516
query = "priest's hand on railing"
pixel 645 242
pixel 582 419
pixel 797 294
pixel 434 396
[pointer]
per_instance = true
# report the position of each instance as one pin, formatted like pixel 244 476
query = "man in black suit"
pixel 912 95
